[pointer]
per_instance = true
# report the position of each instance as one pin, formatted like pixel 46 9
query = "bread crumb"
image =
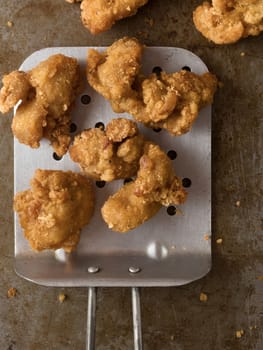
pixel 260 278
pixel 239 333
pixel 9 24
pixel 242 54
pixel 172 337
pixel 149 21
pixel 238 204
pixel 11 293
pixel 207 237
pixel 62 297
pixel 219 241
pixel 203 297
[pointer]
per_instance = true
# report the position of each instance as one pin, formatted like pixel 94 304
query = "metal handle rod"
pixel 91 319
pixel 136 314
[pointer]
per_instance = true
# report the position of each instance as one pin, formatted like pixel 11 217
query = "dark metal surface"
pixel 172 318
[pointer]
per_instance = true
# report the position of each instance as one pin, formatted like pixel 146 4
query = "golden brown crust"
pixel 136 202
pixel 15 87
pixel 125 211
pixel 113 72
pixel 107 155
pixel 55 209
pixel 170 101
pixel 99 15
pixel 225 22
pixel 47 92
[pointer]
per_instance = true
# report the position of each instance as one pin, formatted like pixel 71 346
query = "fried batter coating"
pixel 225 22
pixel 113 72
pixel 55 209
pixel 110 154
pixel 47 92
pixel 136 202
pixel 15 87
pixel 125 211
pixel 169 101
pixel 99 15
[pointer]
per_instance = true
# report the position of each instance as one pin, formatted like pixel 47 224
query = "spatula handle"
pixel 136 313
pixel 91 319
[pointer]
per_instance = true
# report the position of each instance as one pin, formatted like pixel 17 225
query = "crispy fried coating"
pixel 156 180
pixel 113 72
pixel 136 202
pixel 55 209
pixel 15 87
pixel 110 154
pixel 225 22
pixel 99 15
pixel 169 101
pixel 47 92
pixel 125 211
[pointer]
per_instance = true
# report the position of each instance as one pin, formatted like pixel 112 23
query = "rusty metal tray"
pixel 165 251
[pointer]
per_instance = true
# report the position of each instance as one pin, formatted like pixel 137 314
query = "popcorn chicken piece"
pixel 53 212
pixel 110 154
pixel 226 22
pixel 99 15
pixel 136 202
pixel 169 101
pixel 47 92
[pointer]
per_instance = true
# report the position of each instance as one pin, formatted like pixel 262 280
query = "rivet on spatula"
pixel 93 269
pixel 134 269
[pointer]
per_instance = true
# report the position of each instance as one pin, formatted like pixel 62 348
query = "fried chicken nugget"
pixel 99 15
pixel 125 211
pixel 113 72
pixel 53 212
pixel 138 201
pixel 47 92
pixel 170 101
pixel 110 154
pixel 225 22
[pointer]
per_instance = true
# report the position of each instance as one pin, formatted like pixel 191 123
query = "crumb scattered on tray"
pixel 238 204
pixel 242 54
pixel 9 24
pixel 149 21
pixel 11 293
pixel 207 237
pixel 203 297
pixel 260 278
pixel 239 333
pixel 219 241
pixel 62 297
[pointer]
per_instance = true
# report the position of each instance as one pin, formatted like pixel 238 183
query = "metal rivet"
pixel 93 269
pixel 134 269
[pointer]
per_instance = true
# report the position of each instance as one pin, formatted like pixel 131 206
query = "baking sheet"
pixel 168 250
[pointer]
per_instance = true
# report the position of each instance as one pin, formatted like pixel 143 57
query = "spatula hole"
pixel 171 210
pixel 172 154
pixel 73 127
pixel 186 68
pixel 56 157
pixel 85 99
pixel 100 126
pixel 129 179
pixel 186 182
pixel 100 184
pixel 157 129
pixel 157 70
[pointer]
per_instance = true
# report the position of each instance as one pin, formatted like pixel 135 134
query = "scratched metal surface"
pixel 173 318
